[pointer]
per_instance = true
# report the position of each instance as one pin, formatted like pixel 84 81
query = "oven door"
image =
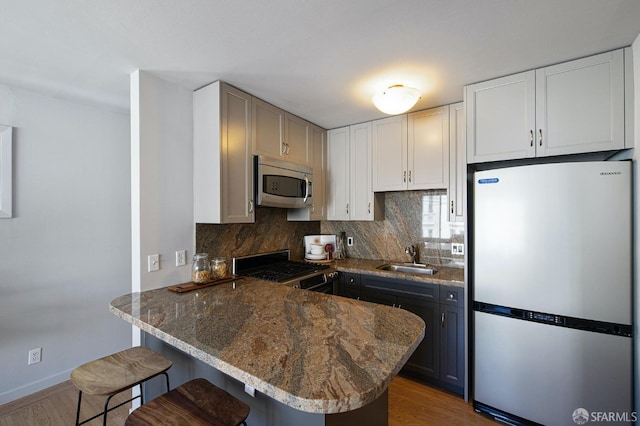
pixel 321 283
pixel 282 184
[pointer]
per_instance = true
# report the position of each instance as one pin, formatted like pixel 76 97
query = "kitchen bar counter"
pixel 314 352
pixel 444 276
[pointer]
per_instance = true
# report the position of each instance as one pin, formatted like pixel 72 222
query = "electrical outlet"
pixel 35 356
pixel 457 248
pixel 248 389
pixel 181 257
pixel 349 241
pixel 154 262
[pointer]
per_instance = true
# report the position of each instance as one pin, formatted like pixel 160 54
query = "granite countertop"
pixel 443 276
pixel 314 352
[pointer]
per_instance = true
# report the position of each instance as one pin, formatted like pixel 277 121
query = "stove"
pixel 277 267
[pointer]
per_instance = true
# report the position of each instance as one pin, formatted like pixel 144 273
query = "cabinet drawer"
pixel 402 288
pixel 351 280
pixel 452 296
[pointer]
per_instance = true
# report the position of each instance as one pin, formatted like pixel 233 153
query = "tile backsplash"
pixel 418 218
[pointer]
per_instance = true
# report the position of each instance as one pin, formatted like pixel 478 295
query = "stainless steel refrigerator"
pixel 551 274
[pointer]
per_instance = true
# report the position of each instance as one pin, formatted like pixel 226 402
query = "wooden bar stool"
pixel 115 373
pixel 197 402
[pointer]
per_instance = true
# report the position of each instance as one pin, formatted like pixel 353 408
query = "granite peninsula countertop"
pixel 314 352
pixel 445 275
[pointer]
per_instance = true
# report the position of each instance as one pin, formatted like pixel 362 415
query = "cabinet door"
pixel 338 174
pixel 223 167
pixel 452 345
pixel 381 298
pixel 428 149
pixel 580 105
pixel 237 164
pixel 501 118
pixel 457 163
pixel 267 123
pixel 318 210
pixel 425 361
pixel 296 140
pixel 349 285
pixel 390 154
pixel 360 192
pixel 319 149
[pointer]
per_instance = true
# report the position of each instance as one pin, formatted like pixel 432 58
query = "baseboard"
pixel 28 389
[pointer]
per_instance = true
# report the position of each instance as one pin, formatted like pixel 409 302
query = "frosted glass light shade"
pixel 396 99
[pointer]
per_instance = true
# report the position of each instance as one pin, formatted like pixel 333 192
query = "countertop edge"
pixel 445 276
pixel 315 406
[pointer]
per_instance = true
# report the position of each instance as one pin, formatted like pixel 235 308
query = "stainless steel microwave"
pixel 280 183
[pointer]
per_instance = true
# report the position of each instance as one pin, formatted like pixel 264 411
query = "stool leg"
pixel 78 411
pixel 167 377
pixel 104 414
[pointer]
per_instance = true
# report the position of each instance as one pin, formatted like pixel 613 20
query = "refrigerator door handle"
pixel 442 320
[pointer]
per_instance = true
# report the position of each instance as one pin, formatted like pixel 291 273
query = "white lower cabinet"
pixel 222 159
pixel 349 178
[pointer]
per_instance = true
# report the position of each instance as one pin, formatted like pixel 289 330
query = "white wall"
pixel 161 179
pixel 66 253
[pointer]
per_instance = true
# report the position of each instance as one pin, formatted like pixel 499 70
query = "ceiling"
pixel 320 59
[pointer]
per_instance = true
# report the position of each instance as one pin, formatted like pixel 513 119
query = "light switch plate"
pixel 154 262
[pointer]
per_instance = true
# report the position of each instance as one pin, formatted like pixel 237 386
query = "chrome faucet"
pixel 411 251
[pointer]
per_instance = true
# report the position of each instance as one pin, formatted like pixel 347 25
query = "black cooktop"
pixel 274 266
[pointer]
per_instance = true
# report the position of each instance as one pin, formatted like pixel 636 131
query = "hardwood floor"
pixel 56 406
pixel 410 404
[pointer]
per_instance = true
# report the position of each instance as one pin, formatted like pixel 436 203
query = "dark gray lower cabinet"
pixel 439 359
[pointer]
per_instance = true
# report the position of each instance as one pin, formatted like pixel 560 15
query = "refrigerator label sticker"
pixel 486 181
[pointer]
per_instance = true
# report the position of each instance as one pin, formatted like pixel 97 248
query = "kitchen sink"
pixel 408 268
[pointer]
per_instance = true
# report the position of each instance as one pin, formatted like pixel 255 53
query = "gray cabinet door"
pixel 425 361
pixel 452 345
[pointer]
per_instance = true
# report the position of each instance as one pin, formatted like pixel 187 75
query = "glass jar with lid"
pixel 201 268
pixel 219 267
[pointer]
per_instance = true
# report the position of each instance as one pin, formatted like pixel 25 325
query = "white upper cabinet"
pixel 338 174
pixel 349 177
pixel 501 118
pixel 222 159
pixel 361 192
pixel 390 154
pixel 580 105
pixel 570 108
pixel 428 149
pixel 411 151
pixel 457 163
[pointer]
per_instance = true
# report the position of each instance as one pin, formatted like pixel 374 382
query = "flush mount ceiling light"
pixel 396 99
